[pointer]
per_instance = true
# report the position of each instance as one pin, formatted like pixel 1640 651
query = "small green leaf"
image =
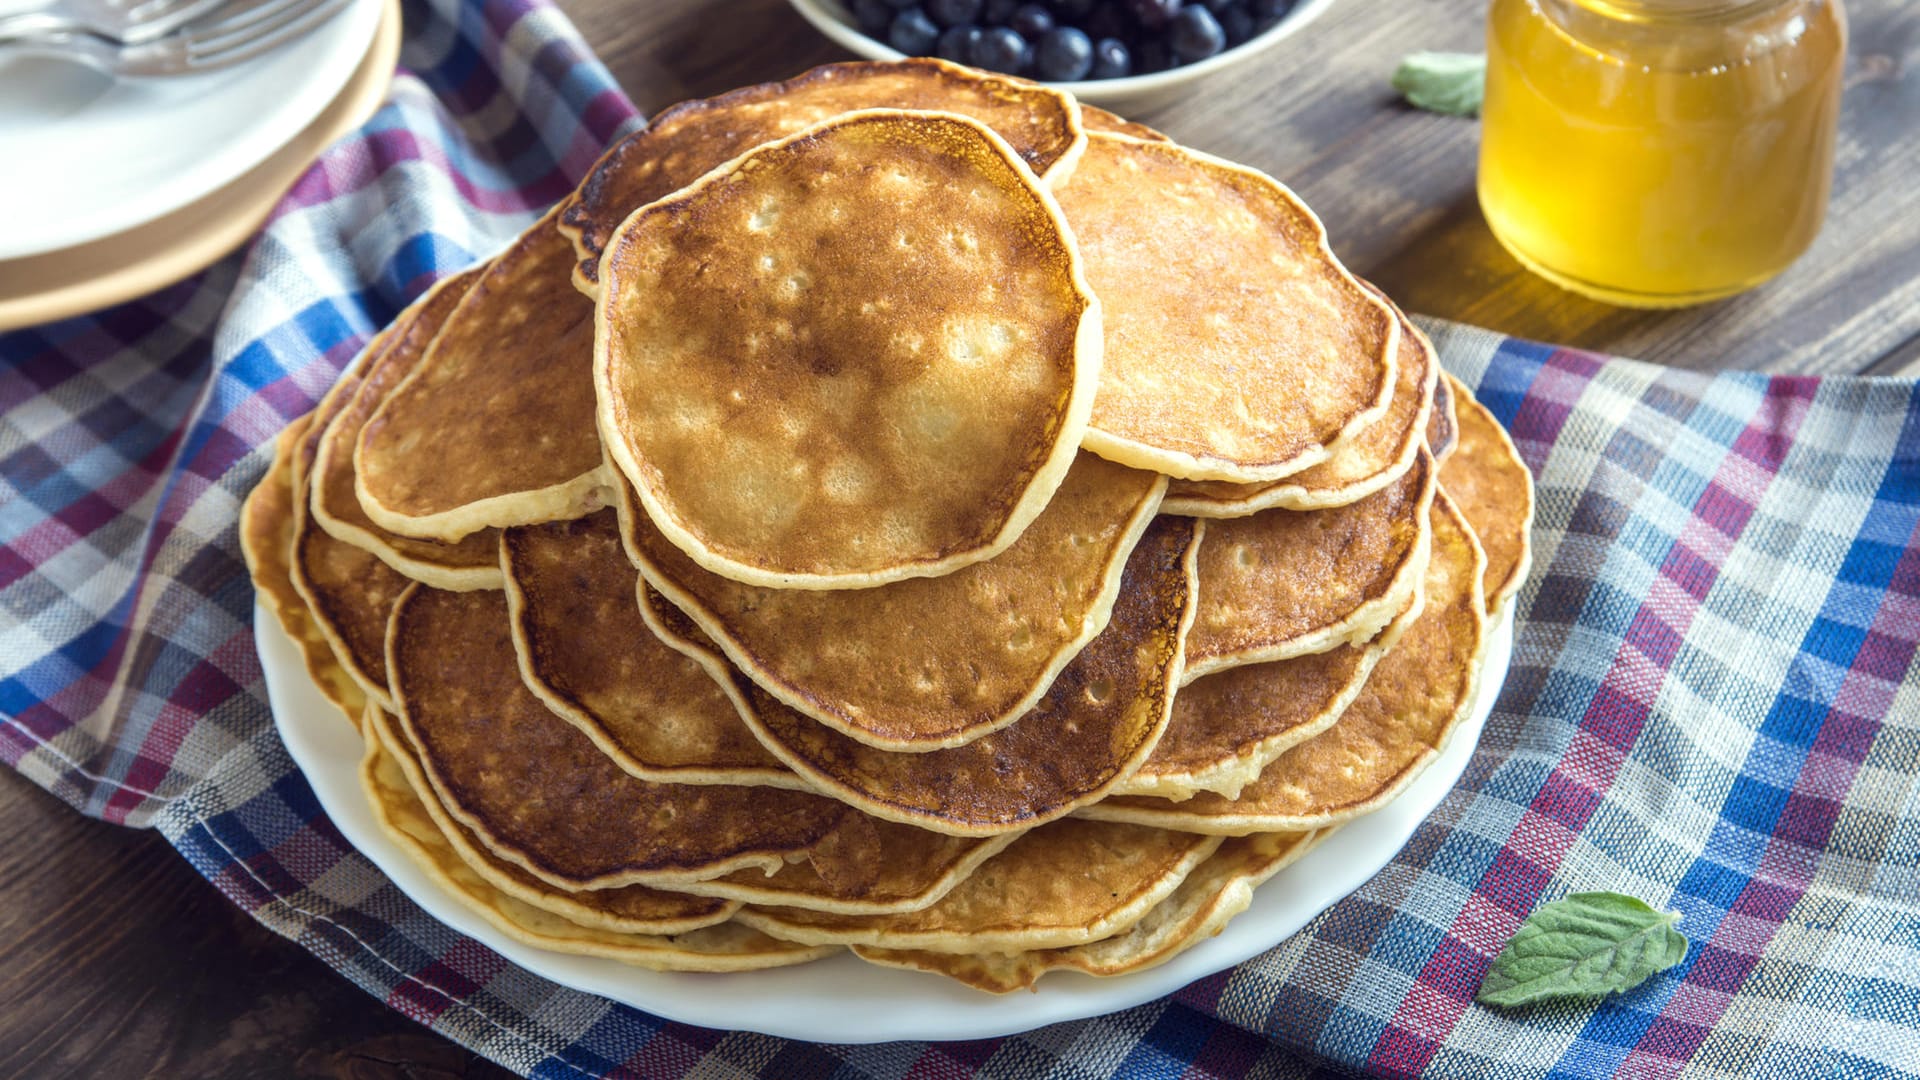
pixel 1587 945
pixel 1450 83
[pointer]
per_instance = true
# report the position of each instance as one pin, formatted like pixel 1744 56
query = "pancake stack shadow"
pixel 897 509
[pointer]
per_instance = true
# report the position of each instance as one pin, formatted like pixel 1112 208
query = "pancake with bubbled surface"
pixel 584 650
pixel 1210 897
pixel 399 790
pixel 1359 467
pixel 862 354
pixel 333 503
pixel 925 663
pixel 1093 727
pixel 539 794
pixel 1443 428
pixel 683 143
pixel 1492 486
pixel 495 426
pixel 1229 726
pixel 724 946
pixel 266 541
pixel 1237 346
pixel 1286 583
pixel 1062 884
pixel 1412 702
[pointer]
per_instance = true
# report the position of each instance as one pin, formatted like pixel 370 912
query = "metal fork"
pixel 140 20
pixel 258 29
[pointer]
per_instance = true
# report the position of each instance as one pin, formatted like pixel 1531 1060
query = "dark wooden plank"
pixel 118 960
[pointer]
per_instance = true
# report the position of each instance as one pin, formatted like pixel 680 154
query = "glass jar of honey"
pixel 1656 153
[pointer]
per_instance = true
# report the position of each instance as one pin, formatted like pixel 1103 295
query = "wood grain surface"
pixel 118 960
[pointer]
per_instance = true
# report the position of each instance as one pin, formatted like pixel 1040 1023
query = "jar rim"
pixel 1655 11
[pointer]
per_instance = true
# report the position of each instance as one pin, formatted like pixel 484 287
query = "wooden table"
pixel 118 960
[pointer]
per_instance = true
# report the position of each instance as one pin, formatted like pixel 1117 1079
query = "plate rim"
pixel 924 1007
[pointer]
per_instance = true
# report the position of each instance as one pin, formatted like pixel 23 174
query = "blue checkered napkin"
pixel 1714 703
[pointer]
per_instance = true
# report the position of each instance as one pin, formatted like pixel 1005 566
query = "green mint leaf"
pixel 1587 945
pixel 1450 83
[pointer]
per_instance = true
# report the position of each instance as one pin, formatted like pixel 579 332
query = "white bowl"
pixel 832 18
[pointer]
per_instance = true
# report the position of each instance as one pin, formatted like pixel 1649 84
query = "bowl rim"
pixel 832 18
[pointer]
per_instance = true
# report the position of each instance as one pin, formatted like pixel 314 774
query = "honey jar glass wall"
pixel 1656 153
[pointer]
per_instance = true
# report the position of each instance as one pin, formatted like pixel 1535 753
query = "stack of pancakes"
pixel 901 509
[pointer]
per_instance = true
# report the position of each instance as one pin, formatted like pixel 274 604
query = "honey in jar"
pixel 1656 153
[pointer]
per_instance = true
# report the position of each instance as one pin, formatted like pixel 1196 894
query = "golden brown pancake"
pixel 349 594
pixel 1358 466
pixel 1290 582
pixel 472 563
pixel 1023 898
pixel 401 795
pixel 1211 896
pixel 684 142
pixel 927 662
pixel 266 540
pixel 1401 721
pixel 584 650
pixel 1237 347
pixel 1490 483
pixel 791 421
pixel 1229 726
pixel 726 946
pixel 494 427
pixel 1099 720
pixel 538 793
pixel 865 867
pixel 1443 428
pixel 1094 118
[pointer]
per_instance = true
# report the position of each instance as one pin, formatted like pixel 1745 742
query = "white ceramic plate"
pixel 843 999
pixel 87 156
pixel 832 18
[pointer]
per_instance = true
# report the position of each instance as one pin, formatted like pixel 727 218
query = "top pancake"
pixel 1357 468
pixel 334 503
pixel 929 662
pixel 495 426
pixel 862 354
pixel 684 142
pixel 1237 347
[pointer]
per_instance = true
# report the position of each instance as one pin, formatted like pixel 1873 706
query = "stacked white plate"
pixel 114 188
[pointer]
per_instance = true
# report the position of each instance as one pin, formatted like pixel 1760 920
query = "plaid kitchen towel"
pixel 1714 702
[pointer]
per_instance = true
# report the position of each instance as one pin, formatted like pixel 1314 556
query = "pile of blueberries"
pixel 1067 40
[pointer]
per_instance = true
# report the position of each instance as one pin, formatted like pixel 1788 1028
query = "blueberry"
pixel 913 33
pixel 1111 60
pixel 1237 21
pixel 1031 21
pixel 1063 54
pixel 956 43
pixel 1106 20
pixel 1195 34
pixel 902 4
pixel 1271 9
pixel 1153 14
pixel 997 12
pixel 1151 55
pixel 1071 10
pixel 1003 49
pixel 953 12
pixel 873 16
